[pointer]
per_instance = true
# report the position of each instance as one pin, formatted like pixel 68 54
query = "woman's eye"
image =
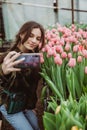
pixel 39 39
pixel 31 35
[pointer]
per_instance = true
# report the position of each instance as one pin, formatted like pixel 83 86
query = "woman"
pixel 21 82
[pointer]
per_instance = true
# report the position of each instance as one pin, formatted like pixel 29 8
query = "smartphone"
pixel 31 60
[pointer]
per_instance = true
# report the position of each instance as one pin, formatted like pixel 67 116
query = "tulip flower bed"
pixel 70 115
pixel 64 69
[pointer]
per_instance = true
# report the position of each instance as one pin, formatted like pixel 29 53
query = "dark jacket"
pixel 25 81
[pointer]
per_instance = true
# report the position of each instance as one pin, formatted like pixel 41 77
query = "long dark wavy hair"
pixel 26 29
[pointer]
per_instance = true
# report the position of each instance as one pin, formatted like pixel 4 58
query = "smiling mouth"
pixel 32 44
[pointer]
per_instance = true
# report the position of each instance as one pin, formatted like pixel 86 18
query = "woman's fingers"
pixel 14 57
pixel 10 62
pixel 13 69
pixel 17 62
pixel 9 55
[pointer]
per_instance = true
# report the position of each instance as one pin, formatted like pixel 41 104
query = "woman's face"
pixel 33 41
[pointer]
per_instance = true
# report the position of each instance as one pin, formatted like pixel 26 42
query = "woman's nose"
pixel 34 40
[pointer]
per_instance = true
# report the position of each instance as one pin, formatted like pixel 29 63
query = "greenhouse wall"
pixel 16 12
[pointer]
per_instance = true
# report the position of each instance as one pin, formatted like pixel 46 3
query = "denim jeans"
pixel 26 120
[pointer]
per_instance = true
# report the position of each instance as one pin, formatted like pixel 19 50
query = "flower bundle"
pixel 64 61
pixel 70 115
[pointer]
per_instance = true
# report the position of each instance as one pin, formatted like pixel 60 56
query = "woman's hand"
pixel 10 61
pixel 34 111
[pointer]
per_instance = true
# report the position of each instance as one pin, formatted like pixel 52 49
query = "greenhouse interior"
pixel 43 65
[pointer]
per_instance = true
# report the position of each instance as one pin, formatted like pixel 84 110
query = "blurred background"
pixel 13 13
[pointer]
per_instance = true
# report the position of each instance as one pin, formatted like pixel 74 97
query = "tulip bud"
pixel 57 110
pixel 86 117
pixel 74 128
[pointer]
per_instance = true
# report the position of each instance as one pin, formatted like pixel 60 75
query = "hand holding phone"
pixel 9 62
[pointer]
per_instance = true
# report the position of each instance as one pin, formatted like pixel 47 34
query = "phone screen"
pixel 31 60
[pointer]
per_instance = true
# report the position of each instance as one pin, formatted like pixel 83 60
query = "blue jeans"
pixel 26 120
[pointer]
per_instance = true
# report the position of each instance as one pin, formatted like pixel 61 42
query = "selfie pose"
pixel 19 83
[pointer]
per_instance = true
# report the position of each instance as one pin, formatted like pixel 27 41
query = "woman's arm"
pixel 9 62
pixel 7 68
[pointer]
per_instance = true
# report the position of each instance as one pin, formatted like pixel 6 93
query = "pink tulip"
pixel 84 34
pixel 54 51
pixel 53 35
pixel 69 55
pixel 67 47
pixel 80 31
pixel 41 58
pixel 60 28
pixel 64 55
pixel 81 48
pixel 53 30
pixel 54 40
pixel 77 34
pixel 48 36
pixel 84 52
pixel 47 47
pixel 58 60
pixel 73 27
pixel 49 52
pixel 62 42
pixel 59 49
pixel 72 39
pixel 86 70
pixel 79 59
pixel 43 49
pixel 50 43
pixel 75 48
pixel 72 62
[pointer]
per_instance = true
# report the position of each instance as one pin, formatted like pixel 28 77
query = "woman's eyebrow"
pixel 34 34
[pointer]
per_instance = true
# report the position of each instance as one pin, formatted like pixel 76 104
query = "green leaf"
pixel 49 121
pixel 43 92
pixel 52 86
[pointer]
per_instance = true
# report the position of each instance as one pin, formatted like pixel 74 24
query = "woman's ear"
pixel 21 36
